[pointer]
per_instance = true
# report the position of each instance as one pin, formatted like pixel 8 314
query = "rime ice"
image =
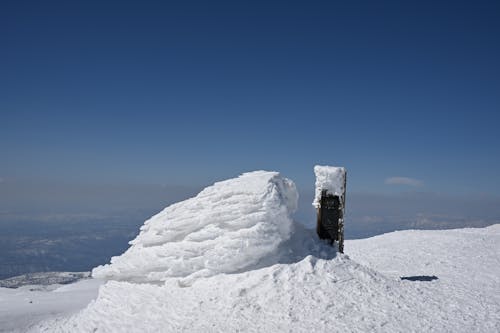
pixel 328 178
pixel 227 227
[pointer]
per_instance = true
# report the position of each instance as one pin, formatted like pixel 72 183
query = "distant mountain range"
pixel 43 279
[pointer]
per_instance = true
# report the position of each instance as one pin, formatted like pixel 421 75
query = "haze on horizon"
pixel 122 106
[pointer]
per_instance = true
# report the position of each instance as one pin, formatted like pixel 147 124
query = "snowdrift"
pixel 228 227
pixel 313 294
pixel 283 279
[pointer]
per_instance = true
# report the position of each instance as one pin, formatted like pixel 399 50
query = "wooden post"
pixel 330 217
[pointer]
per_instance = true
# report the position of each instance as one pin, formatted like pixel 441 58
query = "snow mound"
pixel 310 295
pixel 328 178
pixel 317 293
pixel 227 227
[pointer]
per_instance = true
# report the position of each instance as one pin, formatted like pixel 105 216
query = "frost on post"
pixel 329 201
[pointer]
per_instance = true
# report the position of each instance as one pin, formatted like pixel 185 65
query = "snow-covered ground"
pixel 282 279
pixel 25 306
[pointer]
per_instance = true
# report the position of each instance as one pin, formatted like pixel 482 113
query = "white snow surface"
pixel 25 306
pixel 319 291
pixel 328 178
pixel 274 275
pixel 228 227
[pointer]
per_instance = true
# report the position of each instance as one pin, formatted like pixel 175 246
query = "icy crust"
pixel 227 227
pixel 328 178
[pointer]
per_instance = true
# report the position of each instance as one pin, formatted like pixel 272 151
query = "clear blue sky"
pixel 187 92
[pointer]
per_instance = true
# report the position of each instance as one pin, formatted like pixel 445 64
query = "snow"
pixel 320 291
pixel 290 281
pixel 465 261
pixel 229 226
pixel 25 306
pixel 328 178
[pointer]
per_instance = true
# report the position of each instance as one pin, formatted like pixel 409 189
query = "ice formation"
pixel 328 178
pixel 227 227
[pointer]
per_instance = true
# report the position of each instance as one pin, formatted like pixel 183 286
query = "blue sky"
pixel 185 93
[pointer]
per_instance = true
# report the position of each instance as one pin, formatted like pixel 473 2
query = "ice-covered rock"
pixel 227 227
pixel 328 178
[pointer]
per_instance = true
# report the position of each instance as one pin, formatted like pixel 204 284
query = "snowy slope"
pixel 465 261
pixel 316 292
pixel 231 259
pixel 317 295
pixel 27 305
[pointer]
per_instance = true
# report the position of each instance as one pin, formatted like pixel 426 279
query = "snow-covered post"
pixel 329 201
